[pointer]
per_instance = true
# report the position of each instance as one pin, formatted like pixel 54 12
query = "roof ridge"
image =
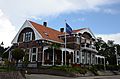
pixel 43 26
pixel 52 28
pixel 80 29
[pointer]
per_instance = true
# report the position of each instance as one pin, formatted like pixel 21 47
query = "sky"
pixel 101 16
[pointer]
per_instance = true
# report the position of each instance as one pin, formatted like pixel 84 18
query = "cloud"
pixel 18 11
pixel 15 12
pixel 114 37
pixel 35 18
pixel 110 11
pixel 7 30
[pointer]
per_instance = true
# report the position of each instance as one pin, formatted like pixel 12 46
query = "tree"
pixel 1 50
pixel 5 53
pixel 107 50
pixel 110 43
pixel 18 54
pixel 26 59
pixel 100 45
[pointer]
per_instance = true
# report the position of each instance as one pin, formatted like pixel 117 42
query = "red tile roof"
pixel 74 31
pixel 47 33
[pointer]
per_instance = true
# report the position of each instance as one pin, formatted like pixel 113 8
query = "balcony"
pixel 88 41
pixel 89 47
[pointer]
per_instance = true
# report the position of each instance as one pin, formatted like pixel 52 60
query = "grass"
pixel 7 69
pixel 70 69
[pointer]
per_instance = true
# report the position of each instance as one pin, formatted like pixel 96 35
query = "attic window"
pixel 46 33
pixel 27 36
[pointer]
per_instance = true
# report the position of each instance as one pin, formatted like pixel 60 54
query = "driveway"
pixel 42 76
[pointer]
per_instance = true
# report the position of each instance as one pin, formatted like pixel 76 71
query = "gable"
pixel 88 32
pixel 23 32
pixel 87 35
pixel 27 24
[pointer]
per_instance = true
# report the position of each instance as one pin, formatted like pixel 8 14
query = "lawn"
pixel 7 69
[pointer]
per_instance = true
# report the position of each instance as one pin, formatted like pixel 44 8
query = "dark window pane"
pixel 34 58
pixel 28 36
pixel 34 50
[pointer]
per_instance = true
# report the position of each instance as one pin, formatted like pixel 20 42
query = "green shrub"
pixel 7 69
pixel 70 69
pixel 112 67
pixel 9 66
pixel 99 67
pixel 94 70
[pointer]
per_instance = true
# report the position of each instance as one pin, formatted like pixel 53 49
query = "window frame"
pixel 27 36
pixel 34 54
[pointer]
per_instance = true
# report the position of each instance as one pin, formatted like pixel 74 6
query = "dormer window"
pixel 46 34
pixel 27 36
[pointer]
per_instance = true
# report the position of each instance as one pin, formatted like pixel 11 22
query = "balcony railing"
pixel 89 47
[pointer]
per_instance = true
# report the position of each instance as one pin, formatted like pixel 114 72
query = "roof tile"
pixel 47 33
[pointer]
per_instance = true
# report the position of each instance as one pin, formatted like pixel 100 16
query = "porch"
pixel 58 57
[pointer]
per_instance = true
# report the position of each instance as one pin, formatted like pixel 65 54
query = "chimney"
pixel 45 24
pixel 61 29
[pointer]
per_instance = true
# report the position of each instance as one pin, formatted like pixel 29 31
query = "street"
pixel 42 76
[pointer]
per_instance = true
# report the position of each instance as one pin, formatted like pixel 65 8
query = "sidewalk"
pixel 42 76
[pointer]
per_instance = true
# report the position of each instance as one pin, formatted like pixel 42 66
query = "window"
pixel 78 40
pixel 33 57
pixel 82 45
pixel 46 34
pixel 77 60
pixel 27 36
pixel 26 57
pixel 77 53
pixel 87 45
pixel 34 51
pixel 47 56
pixel 77 57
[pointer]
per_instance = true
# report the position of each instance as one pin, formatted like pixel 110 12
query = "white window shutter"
pixel 23 37
pixel 29 54
pixel 36 54
pixel 31 36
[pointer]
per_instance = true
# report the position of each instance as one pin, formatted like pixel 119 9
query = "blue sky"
pixel 98 22
pixel 101 16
